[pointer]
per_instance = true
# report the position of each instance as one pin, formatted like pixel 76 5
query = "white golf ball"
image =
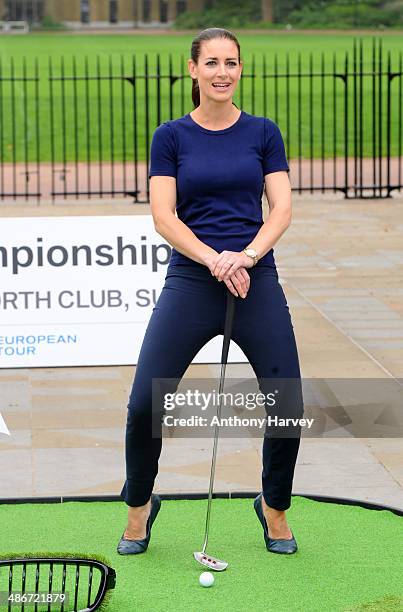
pixel 206 579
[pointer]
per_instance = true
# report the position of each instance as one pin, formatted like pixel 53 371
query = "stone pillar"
pixel 53 10
pixel 127 10
pixel 63 11
pixel 2 10
pixel 72 10
pixel 155 10
pixel 138 10
pixel 171 10
pixel 99 10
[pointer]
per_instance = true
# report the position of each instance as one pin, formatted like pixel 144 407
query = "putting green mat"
pixel 349 558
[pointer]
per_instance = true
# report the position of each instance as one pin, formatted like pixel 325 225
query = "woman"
pixel 211 166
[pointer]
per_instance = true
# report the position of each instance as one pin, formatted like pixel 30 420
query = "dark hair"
pixel 208 34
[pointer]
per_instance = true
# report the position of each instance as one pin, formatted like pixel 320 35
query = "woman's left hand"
pixel 229 262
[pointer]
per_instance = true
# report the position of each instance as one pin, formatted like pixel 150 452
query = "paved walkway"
pixel 119 178
pixel 341 268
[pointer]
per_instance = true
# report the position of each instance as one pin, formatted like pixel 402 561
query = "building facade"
pixel 134 13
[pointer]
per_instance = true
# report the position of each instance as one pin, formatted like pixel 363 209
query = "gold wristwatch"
pixel 251 253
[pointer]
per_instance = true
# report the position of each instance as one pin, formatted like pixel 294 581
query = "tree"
pixel 267 10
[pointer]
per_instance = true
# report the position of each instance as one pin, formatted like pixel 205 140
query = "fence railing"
pixel 82 128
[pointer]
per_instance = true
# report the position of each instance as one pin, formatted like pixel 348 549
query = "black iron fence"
pixel 82 127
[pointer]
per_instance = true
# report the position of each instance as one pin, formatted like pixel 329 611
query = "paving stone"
pixel 340 265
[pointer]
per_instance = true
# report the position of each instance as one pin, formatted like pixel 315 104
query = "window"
pixel 163 11
pixel 85 11
pixel 181 6
pixel 146 10
pixel 113 11
pixel 23 10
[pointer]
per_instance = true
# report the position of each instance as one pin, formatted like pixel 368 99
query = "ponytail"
pixel 195 93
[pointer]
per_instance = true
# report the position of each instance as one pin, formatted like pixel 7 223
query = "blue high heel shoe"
pixel 279 545
pixel 134 547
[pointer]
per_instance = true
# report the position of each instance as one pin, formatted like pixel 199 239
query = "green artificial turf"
pixel 103 109
pixel 349 558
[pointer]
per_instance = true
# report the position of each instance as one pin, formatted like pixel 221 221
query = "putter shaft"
pixel 229 316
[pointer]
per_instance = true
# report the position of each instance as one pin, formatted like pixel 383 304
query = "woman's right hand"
pixel 239 283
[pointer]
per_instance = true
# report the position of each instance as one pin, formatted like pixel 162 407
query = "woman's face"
pixel 218 63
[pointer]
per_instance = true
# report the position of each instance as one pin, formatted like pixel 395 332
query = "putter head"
pixel 211 562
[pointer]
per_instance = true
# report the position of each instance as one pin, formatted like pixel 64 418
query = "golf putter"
pixel 202 557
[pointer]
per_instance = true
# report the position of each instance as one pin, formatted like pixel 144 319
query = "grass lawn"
pixel 97 118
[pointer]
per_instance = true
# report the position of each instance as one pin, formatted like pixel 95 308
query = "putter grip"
pixel 229 318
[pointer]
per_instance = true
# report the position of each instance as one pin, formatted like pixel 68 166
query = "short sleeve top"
pixel 219 177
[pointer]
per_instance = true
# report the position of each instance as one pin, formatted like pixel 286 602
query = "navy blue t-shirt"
pixel 219 177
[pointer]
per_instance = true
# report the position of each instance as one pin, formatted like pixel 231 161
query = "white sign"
pixel 3 426
pixel 80 291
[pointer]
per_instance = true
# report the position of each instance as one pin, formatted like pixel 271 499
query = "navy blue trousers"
pixel 189 312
